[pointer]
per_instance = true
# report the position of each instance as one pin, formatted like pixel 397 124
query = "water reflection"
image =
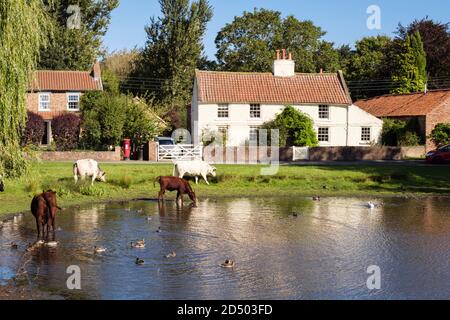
pixel 283 248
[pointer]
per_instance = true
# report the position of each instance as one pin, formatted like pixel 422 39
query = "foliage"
pixel 401 133
pixel 140 125
pixel 436 41
pixel 34 130
pixel 410 74
pixel 76 48
pixel 173 51
pixel 110 81
pixel 250 41
pixel 122 63
pixel 66 131
pixel 295 128
pixel 24 28
pixel 441 134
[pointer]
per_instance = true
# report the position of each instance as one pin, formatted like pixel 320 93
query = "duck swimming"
pixel 139 261
pixel 14 246
pixel 138 244
pixel 173 254
pixel 371 205
pixel 228 264
pixel 99 249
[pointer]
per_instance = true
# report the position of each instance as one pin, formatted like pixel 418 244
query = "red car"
pixel 441 155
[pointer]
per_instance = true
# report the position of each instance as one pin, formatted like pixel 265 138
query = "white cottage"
pixel 237 104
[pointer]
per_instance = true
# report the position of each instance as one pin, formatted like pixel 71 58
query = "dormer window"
pixel 44 101
pixel 73 101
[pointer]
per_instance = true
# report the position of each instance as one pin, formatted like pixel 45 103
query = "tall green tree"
pixel 411 74
pixel 79 27
pixel 436 40
pixel 24 28
pixel 173 50
pixel 250 41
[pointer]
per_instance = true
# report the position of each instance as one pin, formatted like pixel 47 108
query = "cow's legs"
pixel 205 178
pixel 179 198
pixel 75 177
pixel 161 195
pixel 38 227
pixel 196 179
pixel 94 177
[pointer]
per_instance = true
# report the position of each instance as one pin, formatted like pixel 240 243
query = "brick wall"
pixel 77 155
pixel 58 104
pixel 440 114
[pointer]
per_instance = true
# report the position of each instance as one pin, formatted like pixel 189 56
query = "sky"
pixel 345 21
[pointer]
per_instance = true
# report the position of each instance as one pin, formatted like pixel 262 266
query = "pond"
pixel 283 249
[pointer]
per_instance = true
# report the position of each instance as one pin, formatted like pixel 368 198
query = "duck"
pixel 138 244
pixel 159 230
pixel 371 205
pixel 228 264
pixel 52 244
pixel 139 261
pixel 173 254
pixel 140 211
pixel 99 249
pixel 316 198
pixel 295 214
pixel 149 218
pixel 14 246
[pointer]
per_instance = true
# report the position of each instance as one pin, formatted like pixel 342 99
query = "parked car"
pixel 165 141
pixel 441 155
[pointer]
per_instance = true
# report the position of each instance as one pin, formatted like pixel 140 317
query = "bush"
pixel 34 130
pixel 66 131
pixel 295 127
pixel 409 139
pixel 441 134
pixel 401 133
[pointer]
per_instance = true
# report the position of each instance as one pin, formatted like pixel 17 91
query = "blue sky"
pixel 343 20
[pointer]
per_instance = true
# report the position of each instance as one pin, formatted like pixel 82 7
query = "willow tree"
pixel 24 29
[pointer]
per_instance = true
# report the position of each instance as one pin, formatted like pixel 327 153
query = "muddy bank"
pixel 12 292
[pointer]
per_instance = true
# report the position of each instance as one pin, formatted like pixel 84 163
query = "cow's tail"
pixel 75 169
pixel 158 179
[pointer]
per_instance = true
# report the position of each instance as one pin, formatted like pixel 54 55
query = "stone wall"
pixel 100 156
pixel 364 153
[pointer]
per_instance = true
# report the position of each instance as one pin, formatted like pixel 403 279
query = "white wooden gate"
pixel 179 152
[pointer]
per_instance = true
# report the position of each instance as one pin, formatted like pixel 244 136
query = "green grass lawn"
pixel 129 181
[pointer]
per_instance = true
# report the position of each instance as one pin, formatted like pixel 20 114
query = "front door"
pixel 46 138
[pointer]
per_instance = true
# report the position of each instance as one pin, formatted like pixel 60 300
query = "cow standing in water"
pixel 88 168
pixel 44 208
pixel 175 184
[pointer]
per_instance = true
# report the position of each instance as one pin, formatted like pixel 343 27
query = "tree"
pixel 34 130
pixel 122 63
pixel 79 26
pixel 436 41
pixel 295 128
pixel 24 28
pixel 441 134
pixel 66 131
pixel 173 50
pixel 250 41
pixel 410 74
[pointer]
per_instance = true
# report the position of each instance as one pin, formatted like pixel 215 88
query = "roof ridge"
pixel 263 73
pixel 407 94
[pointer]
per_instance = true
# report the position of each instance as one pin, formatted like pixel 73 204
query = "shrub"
pixel 401 133
pixel 66 131
pixel 441 134
pixel 409 139
pixel 295 128
pixel 34 130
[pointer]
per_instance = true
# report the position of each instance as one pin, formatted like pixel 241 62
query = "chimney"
pixel 96 72
pixel 284 67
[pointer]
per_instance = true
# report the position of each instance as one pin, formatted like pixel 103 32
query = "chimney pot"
pixel 278 54
pixel 290 55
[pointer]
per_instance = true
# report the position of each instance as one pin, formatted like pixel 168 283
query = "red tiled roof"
pixel 64 81
pixel 238 87
pixel 414 104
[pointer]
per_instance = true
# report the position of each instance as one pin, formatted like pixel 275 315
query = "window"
pixel 365 134
pixel 73 101
pixel 324 112
pixel 44 101
pixel 253 134
pixel 323 135
pixel 222 111
pixel 255 111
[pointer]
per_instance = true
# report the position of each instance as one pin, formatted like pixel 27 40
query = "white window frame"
pixel 49 102
pixel 255 111
pixel 69 94
pixel 324 114
pixel 223 109
pixel 327 134
pixel 366 137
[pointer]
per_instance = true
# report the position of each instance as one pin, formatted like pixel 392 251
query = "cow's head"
pixel 101 176
pixel 212 170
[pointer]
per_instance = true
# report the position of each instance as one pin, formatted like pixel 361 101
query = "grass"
pixel 129 181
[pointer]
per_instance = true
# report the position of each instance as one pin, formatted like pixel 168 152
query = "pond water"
pixel 322 253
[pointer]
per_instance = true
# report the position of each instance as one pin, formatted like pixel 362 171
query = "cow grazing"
pixel 175 184
pixel 44 208
pixel 88 168
pixel 194 168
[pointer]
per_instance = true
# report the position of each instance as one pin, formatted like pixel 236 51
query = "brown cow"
pixel 174 183
pixel 44 208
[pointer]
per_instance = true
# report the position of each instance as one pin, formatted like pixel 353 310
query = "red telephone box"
pixel 126 149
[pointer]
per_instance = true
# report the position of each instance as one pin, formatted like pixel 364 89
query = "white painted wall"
pixel 204 117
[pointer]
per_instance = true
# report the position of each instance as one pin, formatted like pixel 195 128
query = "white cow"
pixel 88 168
pixel 194 168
